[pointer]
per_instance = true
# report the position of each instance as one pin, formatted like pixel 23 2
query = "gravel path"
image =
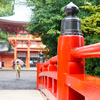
pixel 8 80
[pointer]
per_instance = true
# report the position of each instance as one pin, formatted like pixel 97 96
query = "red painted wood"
pixel 39 65
pixel 7 60
pixel 65 44
pixel 67 79
pixel 45 81
pixel 12 27
pixel 89 51
pixel 54 86
pixel 48 93
pixel 49 84
pixel 51 74
pixel 86 85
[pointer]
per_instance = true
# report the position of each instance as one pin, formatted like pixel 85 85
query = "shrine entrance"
pixel 26 48
pixel 33 58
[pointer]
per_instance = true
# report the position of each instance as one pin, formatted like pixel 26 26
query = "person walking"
pixel 18 68
pixel 13 64
pixel 3 63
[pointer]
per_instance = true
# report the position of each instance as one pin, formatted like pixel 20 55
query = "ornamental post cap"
pixel 71 9
pixel 40 54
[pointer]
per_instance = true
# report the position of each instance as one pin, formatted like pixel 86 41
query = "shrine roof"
pixel 22 14
pixel 14 20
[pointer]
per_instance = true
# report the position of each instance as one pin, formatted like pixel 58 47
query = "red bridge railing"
pixel 63 76
pixel 47 78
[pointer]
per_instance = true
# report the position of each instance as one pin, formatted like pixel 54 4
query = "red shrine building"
pixel 25 46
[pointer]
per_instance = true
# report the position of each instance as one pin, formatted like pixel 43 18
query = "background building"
pixel 24 45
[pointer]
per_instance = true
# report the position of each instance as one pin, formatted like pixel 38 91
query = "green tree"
pixel 91 31
pixel 46 20
pixel 3 35
pixel 6 9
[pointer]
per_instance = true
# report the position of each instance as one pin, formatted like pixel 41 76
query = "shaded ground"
pixel 8 80
pixel 20 95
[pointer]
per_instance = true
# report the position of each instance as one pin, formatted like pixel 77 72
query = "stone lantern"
pixel 41 58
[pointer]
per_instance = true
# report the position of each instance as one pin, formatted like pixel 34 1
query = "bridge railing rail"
pixel 82 85
pixel 47 77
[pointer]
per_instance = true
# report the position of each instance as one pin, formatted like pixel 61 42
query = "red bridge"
pixel 63 76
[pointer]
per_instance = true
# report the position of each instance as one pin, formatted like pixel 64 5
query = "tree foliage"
pixel 46 20
pixel 91 24
pixel 6 9
pixel 3 35
pixel 91 31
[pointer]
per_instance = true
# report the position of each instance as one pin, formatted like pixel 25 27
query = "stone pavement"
pixel 21 89
pixel 26 82
pixel 20 95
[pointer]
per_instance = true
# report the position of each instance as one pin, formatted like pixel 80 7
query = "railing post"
pixel 39 67
pixel 70 38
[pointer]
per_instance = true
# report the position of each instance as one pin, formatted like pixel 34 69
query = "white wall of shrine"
pixel 32 55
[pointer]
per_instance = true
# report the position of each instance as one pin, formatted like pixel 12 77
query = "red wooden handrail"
pixel 49 74
pixel 53 60
pixel 47 78
pixel 87 51
pixel 63 77
pixel 86 85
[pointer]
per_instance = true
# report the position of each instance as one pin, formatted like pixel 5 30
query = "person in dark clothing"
pixel 3 63
pixel 14 64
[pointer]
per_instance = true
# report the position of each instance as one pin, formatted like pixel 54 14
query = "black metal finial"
pixel 71 25
pixel 71 9
pixel 41 58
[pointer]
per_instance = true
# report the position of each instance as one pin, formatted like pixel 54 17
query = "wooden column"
pixel 28 56
pixel 15 53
